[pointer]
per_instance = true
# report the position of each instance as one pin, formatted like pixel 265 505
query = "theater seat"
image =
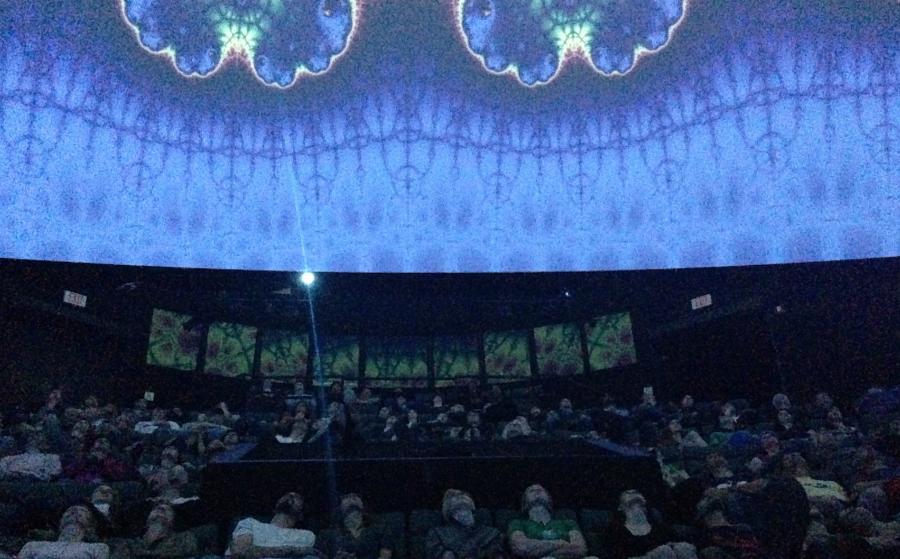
pixel 422 520
pixel 594 524
pixel 394 524
pixel 502 518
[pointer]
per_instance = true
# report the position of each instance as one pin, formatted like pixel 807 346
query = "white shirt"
pixel 150 427
pixel 40 466
pixel 64 550
pixel 268 535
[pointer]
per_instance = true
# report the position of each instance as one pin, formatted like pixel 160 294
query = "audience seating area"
pixel 767 479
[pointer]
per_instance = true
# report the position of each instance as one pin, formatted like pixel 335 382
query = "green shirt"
pixel 553 530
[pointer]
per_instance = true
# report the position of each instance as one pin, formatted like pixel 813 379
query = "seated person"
pixel 299 433
pixel 787 428
pixel 159 540
pixel 473 431
pixel 794 465
pixel 540 535
pixel 633 534
pixel 567 419
pixel 158 421
pixel 720 535
pixel 518 427
pixel 77 526
pixel 881 537
pixel 355 537
pixel 459 537
pixel 253 539
pixel 99 465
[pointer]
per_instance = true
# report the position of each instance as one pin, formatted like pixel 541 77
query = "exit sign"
pixel 701 302
pixel 75 299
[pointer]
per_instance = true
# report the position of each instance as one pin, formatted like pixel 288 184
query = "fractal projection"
pixel 449 135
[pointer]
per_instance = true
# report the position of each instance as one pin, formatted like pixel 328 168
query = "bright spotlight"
pixel 307 278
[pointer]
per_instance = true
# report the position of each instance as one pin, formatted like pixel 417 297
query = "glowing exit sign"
pixel 75 299
pixel 701 302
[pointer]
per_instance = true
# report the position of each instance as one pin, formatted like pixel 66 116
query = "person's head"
pixel 437 401
pixel 162 516
pixel 390 421
pixel 103 498
pixel 823 401
pixel 716 463
pixel 785 418
pixel 178 476
pixel 103 494
pixel 351 508
pixel 674 427
pixel 781 402
pixel 518 427
pixel 728 421
pixel 384 412
pixel 687 401
pixel 458 507
pixel 365 394
pixel 712 511
pixel 835 417
pixel 473 419
pixel 100 450
pixel 290 508
pixel 77 522
pixel 412 416
pixel 565 406
pixel 169 457
pixel 770 444
pixel 859 522
pixel 894 427
pixel 400 400
pixel 80 429
pixel 794 465
pixel 875 500
pixel 631 501
pixel 536 496
pixel 91 402
pixel 158 414
pixel 534 413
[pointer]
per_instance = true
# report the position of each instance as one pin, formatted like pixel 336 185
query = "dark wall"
pixel 838 328
pixel 41 350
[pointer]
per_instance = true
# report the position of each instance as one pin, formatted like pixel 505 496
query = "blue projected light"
pixel 625 135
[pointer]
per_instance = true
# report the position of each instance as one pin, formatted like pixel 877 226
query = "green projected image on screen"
pixel 283 354
pixel 610 342
pixel 506 356
pixel 230 349
pixel 338 359
pixel 170 344
pixel 558 350
pixel 397 362
pixel 455 360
